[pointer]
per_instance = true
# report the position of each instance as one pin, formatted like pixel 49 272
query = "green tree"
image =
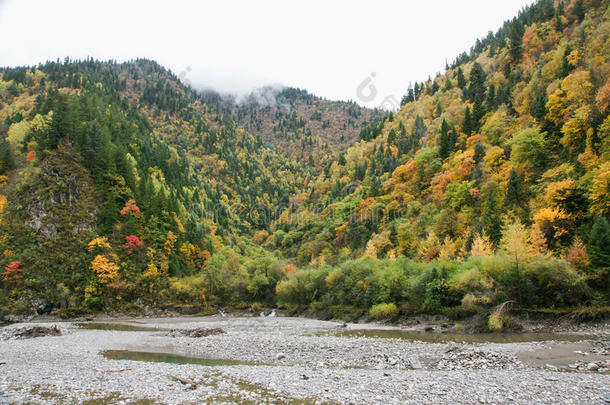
pixel 492 218
pixel 447 140
pixel 7 162
pixel 461 80
pixel 514 189
pixel 515 48
pixel 599 243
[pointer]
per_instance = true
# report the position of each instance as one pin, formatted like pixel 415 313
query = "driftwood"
pixel 191 384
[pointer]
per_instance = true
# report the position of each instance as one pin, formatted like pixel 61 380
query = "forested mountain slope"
pixel 122 188
pixel 493 171
pixel 302 126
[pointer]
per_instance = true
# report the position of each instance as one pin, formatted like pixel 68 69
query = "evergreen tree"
pixel 461 80
pixel 566 66
pixel 392 137
pixel 447 140
pixel 579 10
pixel 490 98
pixel 515 49
pixel 448 84
pixel 599 243
pixel 479 153
pixel 492 219
pixel 342 160
pixel 514 189
pixel 539 106
pixel 7 161
pixel 467 125
pixel 476 90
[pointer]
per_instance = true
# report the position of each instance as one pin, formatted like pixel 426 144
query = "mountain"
pixel 121 188
pixel 304 127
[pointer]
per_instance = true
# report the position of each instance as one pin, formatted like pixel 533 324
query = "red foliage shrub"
pixel 12 271
pixel 132 242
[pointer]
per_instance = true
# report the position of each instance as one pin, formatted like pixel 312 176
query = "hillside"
pixel 495 173
pixel 122 189
pixel 304 127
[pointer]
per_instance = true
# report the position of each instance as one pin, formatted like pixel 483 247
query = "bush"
pixel 555 283
pixel 302 287
pixel 384 311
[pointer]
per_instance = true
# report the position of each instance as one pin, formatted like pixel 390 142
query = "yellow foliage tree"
pixel 481 247
pixel 378 244
pixel 516 242
pixel 3 203
pixel 537 242
pixel 101 242
pixel 600 191
pixel 105 268
pixel 170 241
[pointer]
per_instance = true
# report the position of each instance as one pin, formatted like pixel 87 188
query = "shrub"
pixel 302 287
pixel 384 311
pixel 555 283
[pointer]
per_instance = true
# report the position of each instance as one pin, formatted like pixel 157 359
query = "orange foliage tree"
pixel 130 208
pixel 12 271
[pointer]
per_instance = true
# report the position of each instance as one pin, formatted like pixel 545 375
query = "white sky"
pixel 327 47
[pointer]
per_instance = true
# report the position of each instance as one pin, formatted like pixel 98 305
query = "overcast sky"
pixel 328 47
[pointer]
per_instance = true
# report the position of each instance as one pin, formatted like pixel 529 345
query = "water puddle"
pixel 438 337
pixel 173 358
pixel 117 327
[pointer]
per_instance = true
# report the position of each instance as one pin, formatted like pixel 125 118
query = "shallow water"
pixel 172 358
pixel 117 327
pixel 439 337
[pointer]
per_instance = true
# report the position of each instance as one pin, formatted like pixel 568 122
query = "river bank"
pixel 283 359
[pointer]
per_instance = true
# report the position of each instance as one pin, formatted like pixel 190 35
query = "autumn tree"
pixel 132 242
pixel 105 267
pixel 13 271
pixel 130 208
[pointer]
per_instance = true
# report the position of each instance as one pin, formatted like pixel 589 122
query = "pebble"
pixel 297 364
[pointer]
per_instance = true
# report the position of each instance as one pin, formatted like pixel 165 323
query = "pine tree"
pixel 566 66
pixel 479 153
pixel 599 243
pixel 448 84
pixel 392 137
pixel 447 140
pixel 7 162
pixel 539 106
pixel 514 189
pixel 490 98
pixel 515 49
pixel 467 123
pixel 476 90
pixel 492 219
pixel 579 10
pixel 461 80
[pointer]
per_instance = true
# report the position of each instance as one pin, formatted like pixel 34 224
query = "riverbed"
pixel 297 360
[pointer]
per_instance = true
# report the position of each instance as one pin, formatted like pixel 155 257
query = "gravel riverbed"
pixel 291 360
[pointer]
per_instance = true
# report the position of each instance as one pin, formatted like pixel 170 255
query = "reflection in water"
pixel 437 337
pixel 117 327
pixel 172 358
